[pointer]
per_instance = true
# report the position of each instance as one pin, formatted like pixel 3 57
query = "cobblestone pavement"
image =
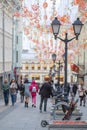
pixel 19 118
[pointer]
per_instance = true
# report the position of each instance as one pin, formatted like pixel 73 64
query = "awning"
pixel 75 68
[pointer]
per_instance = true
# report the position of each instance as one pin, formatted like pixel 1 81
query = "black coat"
pixel 22 88
pixel 75 88
pixel 46 90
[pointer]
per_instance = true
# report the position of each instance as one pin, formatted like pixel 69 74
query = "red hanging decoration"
pixel 35 7
pixel 81 3
pixel 17 14
pixel 45 5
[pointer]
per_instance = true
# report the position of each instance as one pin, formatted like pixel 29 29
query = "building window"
pixel 35 77
pixel 32 66
pixel 44 67
pixel 38 78
pixel 26 67
pixel 61 78
pixel 38 67
pixel 16 56
pixel 50 68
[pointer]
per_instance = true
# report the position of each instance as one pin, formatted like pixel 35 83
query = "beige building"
pixel 33 69
pixel 36 70
pixel 40 71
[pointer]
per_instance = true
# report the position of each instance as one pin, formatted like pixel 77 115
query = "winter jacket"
pixel 21 88
pixel 26 90
pixel 13 88
pixel 33 88
pixel 46 90
pixel 5 87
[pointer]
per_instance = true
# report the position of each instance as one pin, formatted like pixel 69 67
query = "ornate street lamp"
pixel 55 27
pixel 77 26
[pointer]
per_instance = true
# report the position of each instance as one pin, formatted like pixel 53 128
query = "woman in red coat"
pixel 33 89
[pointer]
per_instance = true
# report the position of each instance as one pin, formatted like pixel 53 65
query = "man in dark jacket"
pixel 5 88
pixel 74 89
pixel 21 89
pixel 45 92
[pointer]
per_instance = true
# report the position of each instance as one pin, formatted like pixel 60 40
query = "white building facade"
pixel 7 40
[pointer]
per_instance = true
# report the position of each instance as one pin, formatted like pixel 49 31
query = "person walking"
pixel 75 87
pixel 82 95
pixel 5 88
pixel 13 88
pixel 21 89
pixel 45 92
pixel 33 89
pixel 26 92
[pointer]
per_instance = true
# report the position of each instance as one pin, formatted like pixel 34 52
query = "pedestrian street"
pixel 18 117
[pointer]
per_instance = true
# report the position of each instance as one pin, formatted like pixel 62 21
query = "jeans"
pixel 6 97
pixel 22 98
pixel 43 99
pixel 13 98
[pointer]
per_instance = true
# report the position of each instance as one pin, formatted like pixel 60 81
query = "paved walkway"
pixel 19 118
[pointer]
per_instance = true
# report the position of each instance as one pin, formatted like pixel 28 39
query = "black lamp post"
pixel 59 67
pixel 77 26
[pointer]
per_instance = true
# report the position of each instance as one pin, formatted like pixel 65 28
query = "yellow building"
pixel 38 71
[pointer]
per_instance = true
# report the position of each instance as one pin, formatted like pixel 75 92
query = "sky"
pixel 66 8
pixel 63 7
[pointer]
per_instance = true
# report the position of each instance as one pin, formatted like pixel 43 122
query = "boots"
pixel 26 104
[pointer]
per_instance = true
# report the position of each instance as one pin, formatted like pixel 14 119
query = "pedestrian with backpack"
pixel 33 89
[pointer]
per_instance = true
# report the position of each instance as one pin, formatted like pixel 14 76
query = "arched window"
pixel 38 67
pixel 26 66
pixel 44 66
pixel 32 66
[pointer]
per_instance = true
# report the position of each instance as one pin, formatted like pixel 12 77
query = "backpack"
pixel 33 89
